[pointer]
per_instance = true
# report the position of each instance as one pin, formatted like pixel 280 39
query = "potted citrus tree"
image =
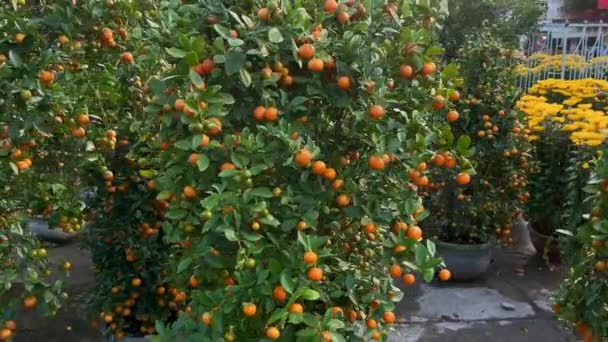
pixel 479 179
pixel 288 131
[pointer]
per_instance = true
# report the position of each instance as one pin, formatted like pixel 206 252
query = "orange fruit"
pixel 78 132
pixel 306 51
pixel 329 174
pixel 30 301
pixel 445 275
pixel 83 119
pixel 216 126
pixel 207 318
pixel 303 158
pixel 376 163
pixel 600 266
pixel 296 308
pixel 331 6
pixel 189 192
pixel 310 257
pixel 279 294
pixel 329 63
pixel 204 141
pixel 5 334
pixel 409 279
pixel 452 116
pixel 375 335
pixel 273 333
pixel 344 83
pixel 337 184
pixel 46 77
pixel 463 178
pixel 395 271
pixel 126 58
pixel 414 232
pixel 388 317
pixel 455 96
pixel 343 17
pixel 136 282
pixel 271 114
pixel 428 69
pixel 450 162
pixel 193 159
pixel 375 112
pixel 193 282
pixel 438 102
pixel 371 324
pixel 438 160
pixel 264 14
pixel 315 274
pixel 369 228
pixel 179 105
pixel 11 325
pixel 249 309
pixel 343 201
pixel 106 34
pixel 421 167
pixel 318 168
pixel 315 65
pixel 406 71
pixel 227 166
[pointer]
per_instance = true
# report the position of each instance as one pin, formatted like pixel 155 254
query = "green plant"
pixel 580 298
pixel 284 179
pixel 487 138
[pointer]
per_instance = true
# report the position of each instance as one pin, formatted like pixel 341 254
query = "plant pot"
pixel 540 241
pixel 465 262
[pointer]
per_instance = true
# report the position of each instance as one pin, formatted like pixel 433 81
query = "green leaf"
pixel 261 192
pixel 202 162
pixel 163 195
pixel 335 324
pixel 287 282
pixel 195 78
pixel 185 144
pixel 274 35
pixel 310 294
pixel 278 315
pixel 565 232
pixel 222 31
pixel 230 234
pixel 428 274
pixel 235 61
pixel 183 264
pixel 211 201
pixel 245 77
pixel 177 53
pixel 15 58
pixel 463 143
pixel 191 58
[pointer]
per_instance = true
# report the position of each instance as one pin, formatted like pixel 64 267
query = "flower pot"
pixel 540 241
pixel 465 262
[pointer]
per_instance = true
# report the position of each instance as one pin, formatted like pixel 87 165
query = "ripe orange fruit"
pixel 344 83
pixel 452 116
pixel 78 132
pixel 375 335
pixel 375 112
pixel 216 126
pixel 204 141
pixel 315 65
pixel 227 166
pixel 428 69
pixel 438 160
pixel 371 324
pixel 19 38
pixel 273 333
pixel 11 325
pixel 249 309
pixel 271 114
pixel 396 271
pixel 46 77
pixel 5 334
pixel 388 317
pixel 126 58
pixel 296 308
pixel 83 119
pixel 343 18
pixel 136 282
pixel 310 257
pixel 463 178
pixel 264 14
pixel 193 159
pixel 194 283
pixel 600 266
pixel 326 336
pixel 438 102
pixel 207 318
pixel 331 6
pixel 343 201
pixel 30 301
pixel 376 163
pixel 279 294
pixel 303 158
pixel 369 228
pixel 106 34
pixel 414 232
pixel 406 71
pixel 258 113
pixel 329 174
pixel 445 275
pixel 409 279
pixel 189 192
pixel 315 274
pixel 318 168
pixel 450 162
pixel 337 184
pixel 306 51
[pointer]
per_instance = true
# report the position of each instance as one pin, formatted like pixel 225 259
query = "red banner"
pixel 602 4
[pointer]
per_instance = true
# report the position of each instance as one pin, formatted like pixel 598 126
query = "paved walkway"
pixel 501 307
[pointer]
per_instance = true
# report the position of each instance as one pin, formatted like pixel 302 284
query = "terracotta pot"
pixel 540 241
pixel 465 262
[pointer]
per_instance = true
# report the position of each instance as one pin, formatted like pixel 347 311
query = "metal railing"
pixel 565 51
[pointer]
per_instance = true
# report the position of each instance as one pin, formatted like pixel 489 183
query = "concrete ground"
pixel 505 305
